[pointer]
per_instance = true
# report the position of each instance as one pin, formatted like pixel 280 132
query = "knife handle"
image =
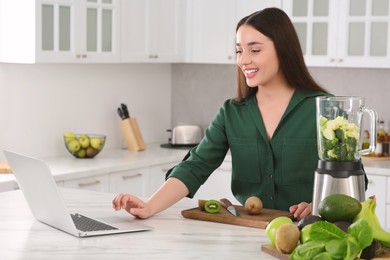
pixel 225 202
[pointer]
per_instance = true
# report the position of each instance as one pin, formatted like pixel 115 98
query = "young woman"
pixel 270 127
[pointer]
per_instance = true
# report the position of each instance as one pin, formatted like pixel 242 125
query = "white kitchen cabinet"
pixel 212 28
pixel 377 185
pixel 135 182
pixel 94 183
pixel 153 31
pixel 350 33
pixel 57 31
pixel 218 185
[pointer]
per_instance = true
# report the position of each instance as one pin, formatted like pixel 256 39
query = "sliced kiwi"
pixel 212 206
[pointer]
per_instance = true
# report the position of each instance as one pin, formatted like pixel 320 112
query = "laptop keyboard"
pixel 85 224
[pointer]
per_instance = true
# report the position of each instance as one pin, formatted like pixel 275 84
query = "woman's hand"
pixel 132 204
pixel 301 210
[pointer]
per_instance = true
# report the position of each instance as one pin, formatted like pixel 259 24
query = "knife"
pixel 229 206
pixel 125 111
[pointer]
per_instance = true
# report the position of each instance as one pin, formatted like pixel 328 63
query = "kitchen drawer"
pixel 94 183
pixel 135 182
pixel 377 186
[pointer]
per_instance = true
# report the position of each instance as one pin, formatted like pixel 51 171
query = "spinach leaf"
pixel 325 231
pixel 307 250
pixel 362 232
pixel 336 248
pixel 323 256
pixel 353 248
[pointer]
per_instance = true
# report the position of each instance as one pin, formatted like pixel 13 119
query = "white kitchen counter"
pixel 68 167
pixel 377 166
pixel 173 237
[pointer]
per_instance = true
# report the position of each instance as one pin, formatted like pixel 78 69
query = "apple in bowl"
pixel 84 145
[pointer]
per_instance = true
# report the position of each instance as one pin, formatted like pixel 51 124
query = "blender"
pixel 339 169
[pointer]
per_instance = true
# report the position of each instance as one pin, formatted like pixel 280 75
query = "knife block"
pixel 132 134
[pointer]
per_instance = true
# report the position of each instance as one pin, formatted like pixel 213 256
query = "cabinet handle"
pixel 340 60
pixel 78 56
pixel 331 60
pixel 126 177
pixel 85 184
pixel 230 57
pixel 84 56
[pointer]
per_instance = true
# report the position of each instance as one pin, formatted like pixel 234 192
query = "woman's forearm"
pixel 168 194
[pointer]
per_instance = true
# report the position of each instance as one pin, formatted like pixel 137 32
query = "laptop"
pixel 47 205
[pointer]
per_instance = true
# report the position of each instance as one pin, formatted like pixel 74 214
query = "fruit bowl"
pixel 84 145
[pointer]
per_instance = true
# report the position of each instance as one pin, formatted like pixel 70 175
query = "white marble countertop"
pixel 173 237
pixel 111 160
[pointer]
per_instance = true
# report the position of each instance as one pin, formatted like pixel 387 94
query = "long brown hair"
pixel 276 25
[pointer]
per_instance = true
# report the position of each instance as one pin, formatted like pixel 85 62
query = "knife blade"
pixel 229 206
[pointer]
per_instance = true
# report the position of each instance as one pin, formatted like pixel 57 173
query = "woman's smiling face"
pixel 256 56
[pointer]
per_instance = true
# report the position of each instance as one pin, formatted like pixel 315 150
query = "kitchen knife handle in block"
pixel 132 134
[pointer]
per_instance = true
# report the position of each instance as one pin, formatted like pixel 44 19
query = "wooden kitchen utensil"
pixel 132 134
pixel 5 168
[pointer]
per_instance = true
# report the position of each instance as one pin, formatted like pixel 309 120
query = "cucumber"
pixel 339 207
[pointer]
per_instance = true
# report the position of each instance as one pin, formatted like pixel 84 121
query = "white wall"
pixel 39 102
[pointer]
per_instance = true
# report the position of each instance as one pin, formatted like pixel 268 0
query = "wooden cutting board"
pixel 257 221
pixel 270 249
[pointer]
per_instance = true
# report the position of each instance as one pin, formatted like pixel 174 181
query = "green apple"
pixel 97 142
pixel 69 136
pixel 84 140
pixel 74 146
pixel 305 233
pixel 81 153
pixel 273 226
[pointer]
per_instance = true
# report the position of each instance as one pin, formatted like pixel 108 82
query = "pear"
pixel 253 205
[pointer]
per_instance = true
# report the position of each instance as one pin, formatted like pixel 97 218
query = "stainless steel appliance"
pixel 186 135
pixel 339 169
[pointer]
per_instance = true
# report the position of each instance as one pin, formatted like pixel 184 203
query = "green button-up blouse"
pixel 280 171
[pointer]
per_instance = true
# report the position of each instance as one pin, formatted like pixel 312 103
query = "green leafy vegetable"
pixel 339 139
pixel 327 241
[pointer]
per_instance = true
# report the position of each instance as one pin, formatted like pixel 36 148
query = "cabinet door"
pixel 377 186
pixel 212 31
pixel 94 183
pixel 218 185
pixel 316 23
pixel 364 35
pixel 57 33
pixel 153 30
pixel 99 38
pixel 135 182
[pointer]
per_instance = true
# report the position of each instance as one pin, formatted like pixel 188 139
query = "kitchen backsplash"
pixel 39 102
pixel 198 90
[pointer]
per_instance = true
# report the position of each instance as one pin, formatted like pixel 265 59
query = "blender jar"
pixel 339 121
